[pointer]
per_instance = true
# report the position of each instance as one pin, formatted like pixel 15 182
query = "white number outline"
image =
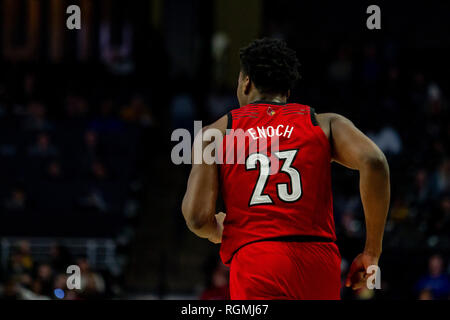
pixel 260 198
pixel 262 178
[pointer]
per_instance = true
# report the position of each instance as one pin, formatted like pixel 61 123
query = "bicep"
pixel 203 183
pixel 350 146
pixel 202 187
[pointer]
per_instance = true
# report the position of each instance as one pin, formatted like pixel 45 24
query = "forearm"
pixel 199 202
pixel 204 230
pixel 375 197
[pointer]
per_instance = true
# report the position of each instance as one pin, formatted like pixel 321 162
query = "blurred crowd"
pixel 85 147
pixel 72 166
pixel 406 113
pixel 83 160
pixel 27 279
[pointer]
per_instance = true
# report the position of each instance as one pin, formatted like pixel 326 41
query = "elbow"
pixel 194 217
pixel 189 216
pixel 377 162
pixel 194 224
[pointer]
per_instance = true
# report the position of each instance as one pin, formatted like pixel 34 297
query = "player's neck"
pixel 268 98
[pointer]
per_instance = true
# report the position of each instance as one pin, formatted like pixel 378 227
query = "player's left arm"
pixel 353 149
pixel 199 202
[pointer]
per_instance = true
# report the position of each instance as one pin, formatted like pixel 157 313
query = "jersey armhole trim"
pixel 229 120
pixel 320 134
pixel 313 117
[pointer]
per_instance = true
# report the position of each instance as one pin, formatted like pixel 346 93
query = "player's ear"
pixel 289 93
pixel 247 85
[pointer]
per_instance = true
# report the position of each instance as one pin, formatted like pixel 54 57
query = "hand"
pixel 216 237
pixel 357 275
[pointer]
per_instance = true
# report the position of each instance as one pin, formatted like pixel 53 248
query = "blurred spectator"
pixel 440 180
pixel 54 171
pixel 59 282
pixel 138 112
pixel 182 110
pixel 117 56
pixel 221 101
pixel 10 291
pixel 425 294
pixel 436 281
pixel 106 121
pixel 417 92
pixel 91 142
pixel 371 67
pixel 21 261
pixel 182 107
pixel 76 106
pixel 388 140
pixel 60 258
pixel 92 283
pixel 43 147
pixel 36 119
pixel 421 187
pixel 399 210
pixel 442 225
pixel 44 277
pixel 94 200
pixel 218 286
pixel 16 201
pixel 341 69
pixel 98 171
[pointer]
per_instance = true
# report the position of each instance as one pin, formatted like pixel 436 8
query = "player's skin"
pixel 350 148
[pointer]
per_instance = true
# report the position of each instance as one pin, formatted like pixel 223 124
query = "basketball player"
pixel 278 232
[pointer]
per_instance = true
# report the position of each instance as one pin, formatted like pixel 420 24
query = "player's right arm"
pixel 199 202
pixel 353 149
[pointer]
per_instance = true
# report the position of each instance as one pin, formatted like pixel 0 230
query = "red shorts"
pixel 286 270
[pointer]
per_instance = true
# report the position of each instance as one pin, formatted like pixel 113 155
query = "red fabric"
pixel 311 214
pixel 286 270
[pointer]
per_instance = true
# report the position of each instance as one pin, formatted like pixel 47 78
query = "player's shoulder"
pixel 221 124
pixel 330 117
pixel 329 122
pixel 224 122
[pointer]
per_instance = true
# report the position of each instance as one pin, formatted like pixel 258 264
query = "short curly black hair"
pixel 271 65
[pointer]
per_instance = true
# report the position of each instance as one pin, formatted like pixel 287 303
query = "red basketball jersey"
pixel 281 187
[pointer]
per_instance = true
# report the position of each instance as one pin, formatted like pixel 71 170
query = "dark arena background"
pixel 86 117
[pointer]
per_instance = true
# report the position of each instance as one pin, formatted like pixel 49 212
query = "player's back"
pixel 279 184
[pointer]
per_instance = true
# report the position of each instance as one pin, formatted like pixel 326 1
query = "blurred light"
pixel 59 293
